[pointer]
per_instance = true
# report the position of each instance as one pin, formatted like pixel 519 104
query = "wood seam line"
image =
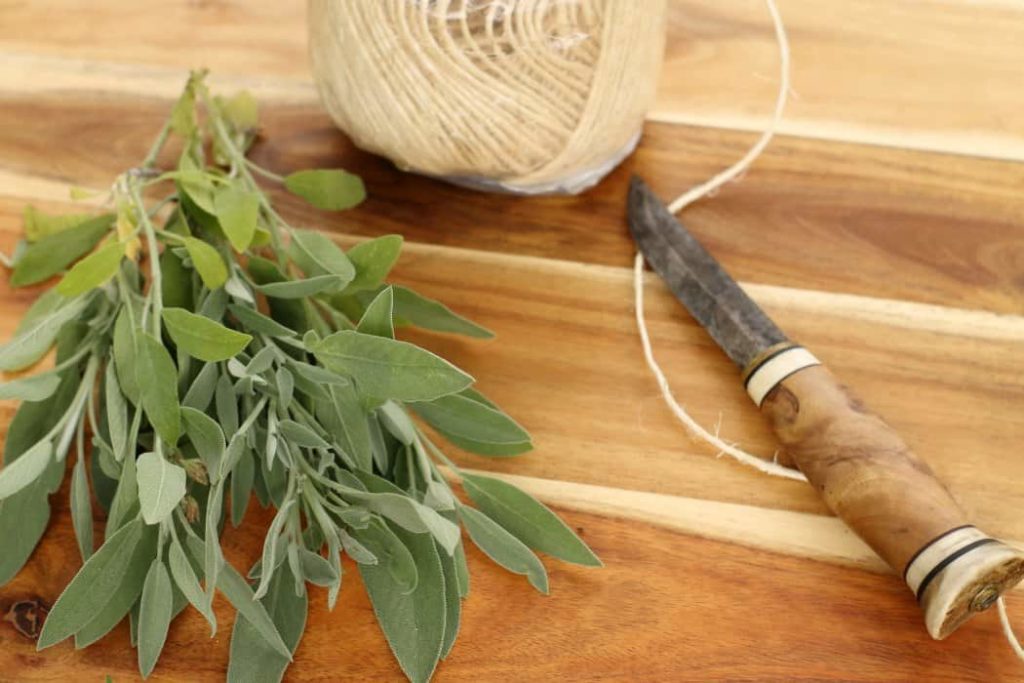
pixel 796 534
pixel 27 73
pixel 898 313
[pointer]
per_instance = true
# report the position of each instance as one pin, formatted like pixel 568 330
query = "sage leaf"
pixel 125 338
pixel 207 438
pixel 270 558
pixel 387 368
pixel 23 519
pixel 256 322
pixel 252 659
pixel 333 189
pixel 414 623
pixel 200 393
pixel 213 558
pixel 527 519
pixel 242 476
pixel 154 616
pixel 38 225
pixel 175 281
pixel 81 509
pixel 412 516
pixel 26 469
pixel 397 422
pixel 379 316
pixel 285 387
pixel 317 254
pixel 125 505
pixel 207 262
pixel 461 570
pixel 242 111
pixel 504 548
pixel 157 380
pixel 188 584
pixel 203 338
pixel 373 260
pixel 93 586
pixel 227 406
pixel 301 289
pixel 53 253
pixel 415 309
pixel 35 388
pixel 316 569
pixel 452 601
pixel 116 410
pixel 474 426
pixel 33 341
pixel 240 595
pixel 237 211
pixel 301 435
pixel 291 314
pixel 344 418
pixel 262 361
pixel 92 271
pixel 161 486
pixel 126 595
pixel 356 550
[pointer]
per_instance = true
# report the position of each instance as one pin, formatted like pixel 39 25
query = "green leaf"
pixel 301 289
pixel 157 379
pixel 373 260
pixel 332 189
pixel 412 308
pixel 397 422
pixel 227 405
pixel 390 552
pixel 252 659
pixel 271 556
pixel 35 388
pixel 237 211
pixel 124 355
pixel 239 594
pixel 188 584
pixel 243 474
pixel 414 623
pixel 474 426
pixel 154 616
pixel 93 586
pixel 53 253
pixel 213 558
pixel 183 114
pixel 23 519
pixel 125 505
pixel 317 254
pixel 207 438
pixel 386 368
pixel 411 516
pixel 203 338
pixel 452 601
pixel 81 509
pixel 301 435
pixel 242 111
pixel 92 271
pixel 291 314
pixel 33 341
pixel 126 595
pixel 25 470
pixel 207 262
pixel 175 281
pixel 379 316
pixel 256 322
pixel 461 570
pixel 200 393
pixel 116 410
pixel 504 548
pixel 527 519
pixel 38 225
pixel 344 417
pixel 316 569
pixel 161 487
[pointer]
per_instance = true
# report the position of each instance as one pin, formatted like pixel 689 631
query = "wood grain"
pixel 821 216
pixel 932 74
pixel 659 610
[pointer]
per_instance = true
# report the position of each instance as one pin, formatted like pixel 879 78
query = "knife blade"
pixel 863 470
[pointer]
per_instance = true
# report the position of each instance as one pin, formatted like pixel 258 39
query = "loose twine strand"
pixel 699 192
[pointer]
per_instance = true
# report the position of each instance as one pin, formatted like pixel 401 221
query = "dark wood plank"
pixel 850 218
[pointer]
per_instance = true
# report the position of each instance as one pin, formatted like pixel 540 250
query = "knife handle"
pixel 885 493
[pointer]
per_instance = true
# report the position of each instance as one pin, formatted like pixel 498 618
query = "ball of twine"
pixel 536 95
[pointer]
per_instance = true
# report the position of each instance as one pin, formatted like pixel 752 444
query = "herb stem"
pixel 158 144
pixel 156 284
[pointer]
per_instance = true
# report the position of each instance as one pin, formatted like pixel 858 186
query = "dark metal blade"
pixel 732 319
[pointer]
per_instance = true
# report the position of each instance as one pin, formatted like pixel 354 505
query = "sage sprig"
pixel 206 352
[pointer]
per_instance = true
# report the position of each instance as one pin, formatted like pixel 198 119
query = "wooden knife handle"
pixel 885 493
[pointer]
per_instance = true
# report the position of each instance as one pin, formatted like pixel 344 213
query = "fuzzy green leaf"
pixel 301 289
pixel 33 340
pixel 92 271
pixel 412 308
pixel 474 426
pixel 317 254
pixel 378 319
pixel 157 379
pixel 81 510
pixel 387 368
pixel 155 614
pixel 504 548
pixel 237 212
pixel 35 388
pixel 54 252
pixel 161 486
pixel 203 338
pixel 25 470
pixel 207 262
pixel 330 189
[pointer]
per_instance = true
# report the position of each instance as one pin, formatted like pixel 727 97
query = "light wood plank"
pixel 935 75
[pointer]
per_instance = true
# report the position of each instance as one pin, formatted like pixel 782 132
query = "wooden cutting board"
pixel 884 230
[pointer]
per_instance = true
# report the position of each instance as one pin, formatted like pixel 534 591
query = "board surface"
pixel 885 230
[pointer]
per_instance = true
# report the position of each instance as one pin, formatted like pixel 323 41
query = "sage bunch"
pixel 206 351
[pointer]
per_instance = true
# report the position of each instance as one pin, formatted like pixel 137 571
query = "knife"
pixel 862 469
